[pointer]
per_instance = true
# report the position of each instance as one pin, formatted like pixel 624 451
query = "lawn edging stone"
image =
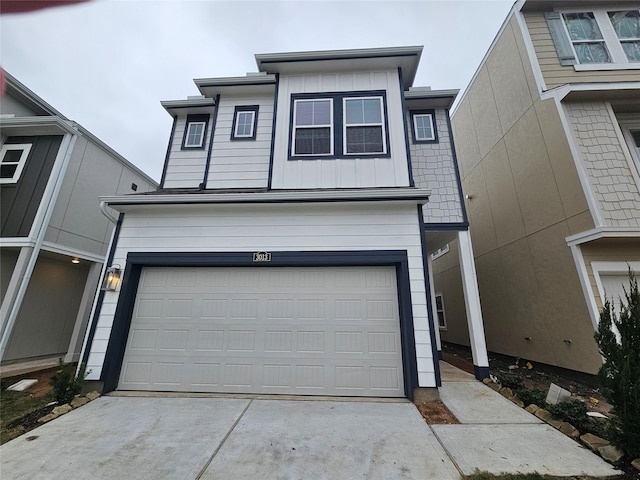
pixel 77 402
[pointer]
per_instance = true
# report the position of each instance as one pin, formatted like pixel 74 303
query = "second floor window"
pixel 339 125
pixel 12 161
pixel 195 131
pixel 244 122
pixel 603 36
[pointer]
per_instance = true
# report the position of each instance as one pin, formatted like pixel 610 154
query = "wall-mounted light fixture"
pixel 111 278
pixel 75 260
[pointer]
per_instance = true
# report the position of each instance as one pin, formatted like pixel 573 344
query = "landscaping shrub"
pixel 535 396
pixel 511 380
pixel 620 372
pixel 572 411
pixel 66 384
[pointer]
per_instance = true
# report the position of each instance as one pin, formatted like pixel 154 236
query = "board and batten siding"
pixel 251 228
pixel 241 163
pixel 345 172
pixel 186 167
pixel 556 74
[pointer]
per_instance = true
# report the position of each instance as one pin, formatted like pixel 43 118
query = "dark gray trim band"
pixel 427 286
pixel 166 157
pixel 136 261
pixel 350 57
pixel 214 120
pixel 481 372
pixel 456 227
pixel 96 313
pixel 457 168
pixel 404 124
pixel 273 131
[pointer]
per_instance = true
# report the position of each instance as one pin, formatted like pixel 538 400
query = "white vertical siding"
pixel 341 172
pixel 241 163
pixel 186 167
pixel 252 228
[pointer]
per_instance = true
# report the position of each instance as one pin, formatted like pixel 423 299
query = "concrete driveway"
pixel 230 438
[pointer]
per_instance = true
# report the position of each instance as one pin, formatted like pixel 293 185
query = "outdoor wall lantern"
pixel 112 278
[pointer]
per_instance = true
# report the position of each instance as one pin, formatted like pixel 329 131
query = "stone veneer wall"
pixel 433 168
pixel 610 176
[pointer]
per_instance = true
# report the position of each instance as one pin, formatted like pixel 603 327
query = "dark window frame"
pixel 195 118
pixel 338 123
pixel 414 136
pixel 245 108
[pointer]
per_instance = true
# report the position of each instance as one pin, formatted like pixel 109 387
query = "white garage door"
pixel 614 287
pixel 305 331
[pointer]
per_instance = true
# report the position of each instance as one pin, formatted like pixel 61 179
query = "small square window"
pixel 13 158
pixel 195 132
pixel 423 126
pixel 244 123
pixel 442 321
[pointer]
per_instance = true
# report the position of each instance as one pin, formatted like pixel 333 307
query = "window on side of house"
pixel 442 321
pixel 604 36
pixel 339 125
pixel 363 126
pixel 13 158
pixel 313 127
pixel 245 119
pixel 195 132
pixel 423 126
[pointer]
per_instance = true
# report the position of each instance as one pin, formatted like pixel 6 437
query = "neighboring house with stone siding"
pixel 288 249
pixel 548 137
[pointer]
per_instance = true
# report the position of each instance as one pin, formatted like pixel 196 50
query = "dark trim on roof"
pixel 234 84
pixel 96 314
pixel 334 57
pixel 273 131
pixel 136 261
pixel 166 157
pixel 214 120
pixel 457 168
pixel 427 286
pixel 404 125
pixel 455 227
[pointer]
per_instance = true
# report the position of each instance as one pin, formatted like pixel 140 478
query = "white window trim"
pixel 380 124
pixel 444 315
pixel 415 127
pixel 26 148
pixel 251 126
pixel 296 127
pixel 186 140
pixel 612 43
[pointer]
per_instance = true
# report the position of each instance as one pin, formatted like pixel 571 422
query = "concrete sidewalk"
pixel 229 437
pixel 497 436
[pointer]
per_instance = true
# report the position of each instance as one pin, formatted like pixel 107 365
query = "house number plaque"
pixel 262 257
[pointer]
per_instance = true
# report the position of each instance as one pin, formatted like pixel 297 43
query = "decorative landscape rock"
pixel 543 414
pixel 593 442
pixel 494 386
pixel 92 395
pixel 487 381
pixel 517 401
pixel 533 408
pixel 48 418
pixel 506 392
pixel 555 422
pixel 79 401
pixel 569 430
pixel 62 409
pixel 636 463
pixel 611 453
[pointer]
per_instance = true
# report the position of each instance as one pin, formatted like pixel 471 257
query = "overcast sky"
pixel 108 64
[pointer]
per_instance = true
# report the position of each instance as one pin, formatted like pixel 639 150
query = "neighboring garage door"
pixel 306 331
pixel 614 287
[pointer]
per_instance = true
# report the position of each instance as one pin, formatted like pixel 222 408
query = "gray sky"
pixel 108 64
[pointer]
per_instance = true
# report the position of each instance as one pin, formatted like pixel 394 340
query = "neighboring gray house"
pixel 287 250
pixel 54 237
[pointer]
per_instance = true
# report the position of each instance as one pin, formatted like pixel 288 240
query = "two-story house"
pixel 54 237
pixel 548 136
pixel 287 249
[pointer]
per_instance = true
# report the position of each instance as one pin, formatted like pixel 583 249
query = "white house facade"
pixel 287 250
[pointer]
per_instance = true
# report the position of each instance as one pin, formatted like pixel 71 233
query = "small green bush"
pixel 620 371
pixel 510 380
pixel 535 396
pixel 572 411
pixel 66 384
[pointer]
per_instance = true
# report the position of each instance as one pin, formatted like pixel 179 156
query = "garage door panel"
pixel 308 331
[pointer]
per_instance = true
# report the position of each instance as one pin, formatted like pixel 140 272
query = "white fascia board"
pixel 424 93
pixel 603 232
pixel 190 103
pixel 37 126
pixel 71 252
pixel 17 242
pixel 413 195
pixel 562 91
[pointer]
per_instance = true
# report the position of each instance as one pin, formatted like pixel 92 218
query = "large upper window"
pixel 12 160
pixel 244 123
pixel 195 131
pixel 339 125
pixel 604 36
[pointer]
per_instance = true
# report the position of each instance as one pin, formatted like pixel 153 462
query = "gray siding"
pixel 10 105
pixel 8 260
pixel 20 201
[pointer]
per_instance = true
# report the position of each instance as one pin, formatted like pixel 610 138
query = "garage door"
pixel 614 287
pixel 304 331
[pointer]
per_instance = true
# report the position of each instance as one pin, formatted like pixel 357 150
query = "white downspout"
pixel 51 198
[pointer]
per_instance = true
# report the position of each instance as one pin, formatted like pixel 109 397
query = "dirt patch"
pixel 436 413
